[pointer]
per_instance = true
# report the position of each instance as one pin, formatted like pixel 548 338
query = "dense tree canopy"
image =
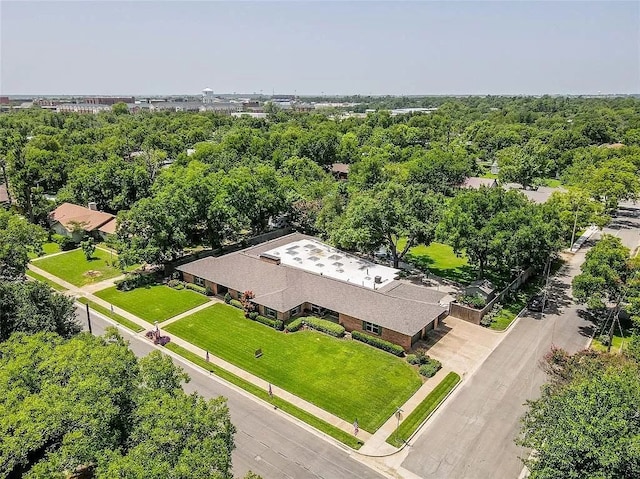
pixel 87 404
pixel 586 423
pixel 18 238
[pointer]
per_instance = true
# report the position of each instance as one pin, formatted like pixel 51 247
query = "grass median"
pixel 260 393
pixel 424 409
pixel 116 317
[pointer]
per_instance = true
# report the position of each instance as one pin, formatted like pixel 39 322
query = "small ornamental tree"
pixel 88 248
pixel 247 305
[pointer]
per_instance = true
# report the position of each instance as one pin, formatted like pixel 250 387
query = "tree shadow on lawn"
pixel 461 274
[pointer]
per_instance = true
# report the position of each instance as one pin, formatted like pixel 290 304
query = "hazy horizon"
pixel 319 48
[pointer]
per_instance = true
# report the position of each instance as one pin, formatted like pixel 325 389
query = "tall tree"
pixel 18 238
pixel 387 217
pixel 87 406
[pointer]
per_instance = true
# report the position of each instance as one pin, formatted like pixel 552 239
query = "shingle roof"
pixel 540 195
pixel 340 168
pixel 398 306
pixel 67 214
pixel 475 182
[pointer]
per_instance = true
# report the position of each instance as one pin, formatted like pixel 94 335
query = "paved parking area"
pixel 460 345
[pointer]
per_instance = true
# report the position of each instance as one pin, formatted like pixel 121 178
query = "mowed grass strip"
pixel 153 303
pixel 116 317
pixel 47 248
pixel 426 407
pixel 39 277
pixel 74 268
pixel 346 378
pixel 285 406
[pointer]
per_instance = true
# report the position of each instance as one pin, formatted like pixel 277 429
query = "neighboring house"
pixel 475 183
pixel 340 171
pixel 481 287
pixel 75 221
pixel 4 196
pixel 297 275
pixel 539 195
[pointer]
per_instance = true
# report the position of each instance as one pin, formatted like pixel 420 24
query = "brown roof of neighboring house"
pixel 340 168
pixel 4 194
pixel 67 214
pixel 109 227
pixel 399 306
pixel 475 182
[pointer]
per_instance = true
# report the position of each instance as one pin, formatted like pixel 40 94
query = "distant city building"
pixel 207 96
pixel 82 108
pixel 108 100
pixel 4 100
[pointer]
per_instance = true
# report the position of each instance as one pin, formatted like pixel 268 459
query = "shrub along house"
pixel 298 275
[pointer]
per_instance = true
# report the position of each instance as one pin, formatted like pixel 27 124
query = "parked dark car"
pixel 535 303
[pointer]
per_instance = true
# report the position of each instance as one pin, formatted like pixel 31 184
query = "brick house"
pixel 297 275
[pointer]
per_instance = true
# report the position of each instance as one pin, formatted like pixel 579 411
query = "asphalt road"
pixel 473 435
pixel 266 443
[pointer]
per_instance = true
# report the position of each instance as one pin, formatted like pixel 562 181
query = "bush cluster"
pixel 235 303
pixel 294 325
pixel 488 318
pixel 198 289
pixel 324 326
pixel 65 242
pixel 378 343
pixel 134 280
pixel 227 298
pixel 473 301
pixel 430 368
pixel 274 323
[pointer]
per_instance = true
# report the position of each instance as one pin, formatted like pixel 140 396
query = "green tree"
pixel 88 248
pixel 519 166
pixel 574 210
pixel 385 217
pixel 585 424
pixel 86 405
pixel 605 271
pixel 18 238
pixel 32 306
pixel 120 108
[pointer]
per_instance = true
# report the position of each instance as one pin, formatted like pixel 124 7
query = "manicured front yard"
pixel 347 378
pixel 153 303
pixel 47 248
pixel 74 268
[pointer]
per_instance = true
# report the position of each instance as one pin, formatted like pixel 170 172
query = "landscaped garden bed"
pixel 153 303
pixel 345 378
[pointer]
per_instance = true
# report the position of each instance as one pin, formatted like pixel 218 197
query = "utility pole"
pixel 575 225
pixel 89 319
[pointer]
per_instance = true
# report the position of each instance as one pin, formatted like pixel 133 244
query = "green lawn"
pixel 426 407
pixel 153 303
pixel 347 378
pixel 618 344
pixel 39 277
pixel 74 267
pixel 441 260
pixel 116 317
pixel 48 248
pixel 261 393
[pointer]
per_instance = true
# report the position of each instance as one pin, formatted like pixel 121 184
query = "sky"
pixel 322 47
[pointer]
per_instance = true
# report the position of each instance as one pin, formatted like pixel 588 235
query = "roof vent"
pixel 269 258
pixel 378 279
pixel 93 206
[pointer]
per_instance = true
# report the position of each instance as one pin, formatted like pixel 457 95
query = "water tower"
pixel 207 95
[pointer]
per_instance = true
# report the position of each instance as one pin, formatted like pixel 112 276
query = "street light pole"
pixel 89 319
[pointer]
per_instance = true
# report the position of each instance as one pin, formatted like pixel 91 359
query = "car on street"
pixel 535 303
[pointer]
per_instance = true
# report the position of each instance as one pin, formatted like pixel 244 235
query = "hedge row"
pixel 198 289
pixel 134 280
pixel 324 326
pixel 274 323
pixel 294 325
pixel 430 368
pixel 236 304
pixel 378 343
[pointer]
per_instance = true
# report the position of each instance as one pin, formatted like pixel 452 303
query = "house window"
pixel 270 313
pixel 315 309
pixel 295 311
pixel 198 281
pixel 372 328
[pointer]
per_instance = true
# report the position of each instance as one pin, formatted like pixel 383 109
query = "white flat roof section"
pixel 316 257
